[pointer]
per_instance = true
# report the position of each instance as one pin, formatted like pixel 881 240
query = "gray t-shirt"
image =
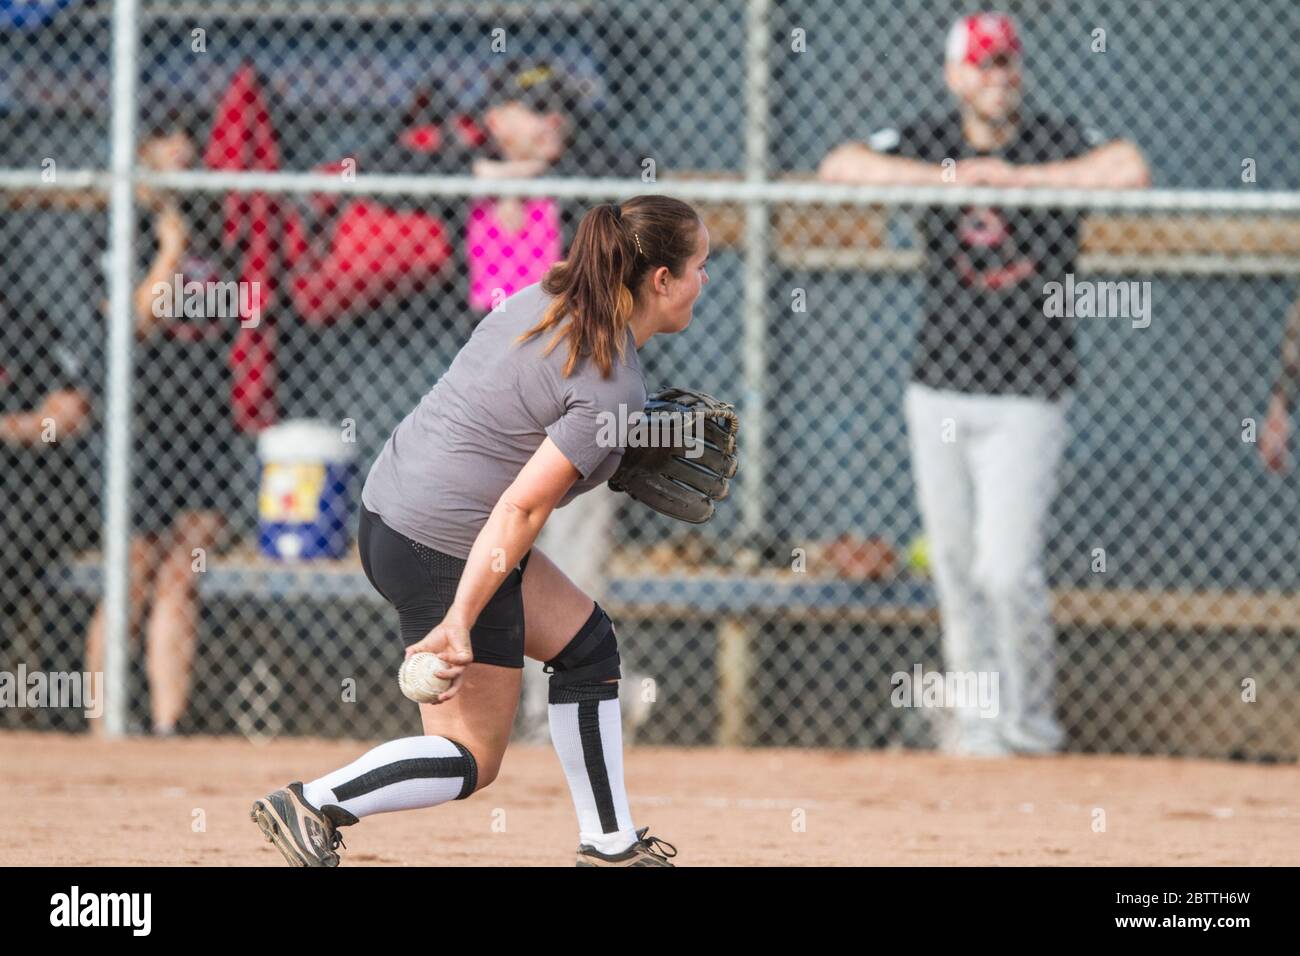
pixel 446 465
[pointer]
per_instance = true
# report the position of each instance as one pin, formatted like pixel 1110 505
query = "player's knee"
pixel 585 668
pixel 486 773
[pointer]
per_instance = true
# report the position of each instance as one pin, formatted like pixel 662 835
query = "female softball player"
pixel 517 426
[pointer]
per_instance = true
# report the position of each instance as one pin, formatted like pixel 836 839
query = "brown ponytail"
pixel 594 288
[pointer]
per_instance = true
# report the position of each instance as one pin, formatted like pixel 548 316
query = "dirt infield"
pixel 73 801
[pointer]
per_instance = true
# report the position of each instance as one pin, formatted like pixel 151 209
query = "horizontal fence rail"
pixel 720 190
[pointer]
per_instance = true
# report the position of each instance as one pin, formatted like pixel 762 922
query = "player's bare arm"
pixel 172 239
pixel 1116 165
pixel 509 532
pixel 859 165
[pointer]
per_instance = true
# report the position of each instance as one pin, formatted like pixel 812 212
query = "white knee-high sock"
pixel 588 737
pixel 400 775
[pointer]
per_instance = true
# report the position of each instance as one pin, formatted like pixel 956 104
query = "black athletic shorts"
pixel 421 583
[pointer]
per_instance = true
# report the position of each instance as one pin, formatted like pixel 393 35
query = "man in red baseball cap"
pixel 992 370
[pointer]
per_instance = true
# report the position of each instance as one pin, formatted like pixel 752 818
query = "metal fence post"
pixel 735 635
pixel 754 336
pixel 117 527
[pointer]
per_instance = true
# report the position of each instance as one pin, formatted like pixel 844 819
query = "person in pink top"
pixel 511 242
pixel 510 250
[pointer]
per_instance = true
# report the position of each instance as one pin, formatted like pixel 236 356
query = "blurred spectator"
pixel 45 405
pixel 986 407
pixel 183 429
pixel 1276 433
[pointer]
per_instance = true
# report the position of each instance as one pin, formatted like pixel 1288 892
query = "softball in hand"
pixel 420 678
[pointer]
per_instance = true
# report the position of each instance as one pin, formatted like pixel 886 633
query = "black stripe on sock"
pixel 399 770
pixel 577 693
pixel 471 771
pixel 593 753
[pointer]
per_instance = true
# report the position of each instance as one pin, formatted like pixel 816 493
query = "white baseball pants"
pixel 986 473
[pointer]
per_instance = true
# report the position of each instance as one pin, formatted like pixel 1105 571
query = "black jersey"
pixel 983 328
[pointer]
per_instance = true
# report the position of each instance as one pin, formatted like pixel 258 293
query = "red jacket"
pixel 254 234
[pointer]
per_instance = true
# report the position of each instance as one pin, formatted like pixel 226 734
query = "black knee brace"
pixel 581 670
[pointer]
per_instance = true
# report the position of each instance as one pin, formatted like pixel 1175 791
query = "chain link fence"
pixel 390 143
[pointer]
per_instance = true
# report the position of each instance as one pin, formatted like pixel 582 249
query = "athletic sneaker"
pixel 306 836
pixel 646 851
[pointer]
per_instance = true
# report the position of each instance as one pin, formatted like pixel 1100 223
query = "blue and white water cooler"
pixel 305 503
